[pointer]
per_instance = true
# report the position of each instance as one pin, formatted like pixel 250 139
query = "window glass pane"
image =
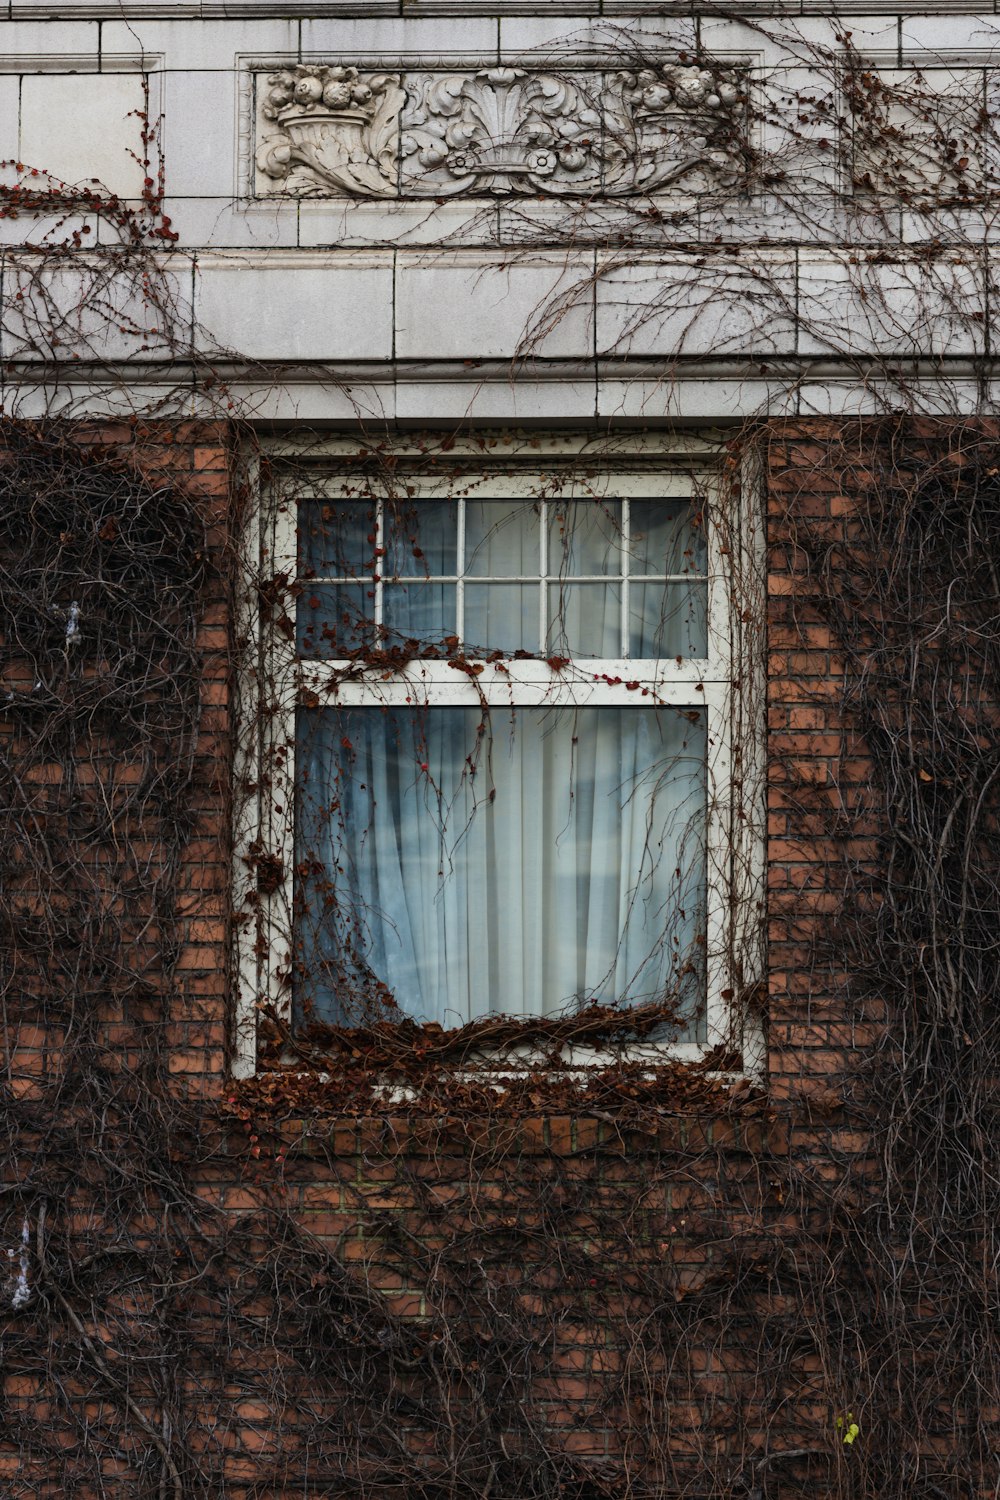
pixel 522 863
pixel 666 537
pixel 331 618
pixel 501 539
pixel 502 616
pixel 420 539
pixel 585 619
pixel 336 539
pixel 668 619
pixel 419 611
pixel 584 536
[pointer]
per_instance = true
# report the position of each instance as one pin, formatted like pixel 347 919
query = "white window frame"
pixel 273 681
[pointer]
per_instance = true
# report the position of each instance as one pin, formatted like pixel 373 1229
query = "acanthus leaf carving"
pixel 499 131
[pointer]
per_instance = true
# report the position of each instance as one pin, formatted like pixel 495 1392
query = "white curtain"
pixel 515 863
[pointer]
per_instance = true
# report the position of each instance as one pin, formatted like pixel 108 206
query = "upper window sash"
pixel 282 558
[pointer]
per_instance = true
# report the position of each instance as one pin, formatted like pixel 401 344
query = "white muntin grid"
pixel 550 584
pixel 281 680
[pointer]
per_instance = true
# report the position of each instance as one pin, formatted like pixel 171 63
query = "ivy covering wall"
pixel 654 1284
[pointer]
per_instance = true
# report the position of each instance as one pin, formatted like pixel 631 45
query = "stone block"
pixel 855 304
pixel 82 309
pixel 704 305
pixel 468 307
pixel 292 307
pixel 82 126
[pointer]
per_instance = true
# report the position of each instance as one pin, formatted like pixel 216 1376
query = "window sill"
pixel 676 1107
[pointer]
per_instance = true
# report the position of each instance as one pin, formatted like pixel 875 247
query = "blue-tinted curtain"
pixel 511 862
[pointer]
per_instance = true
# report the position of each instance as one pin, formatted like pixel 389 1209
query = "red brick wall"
pixel 657 1259
pixel 712 1181
pixel 819 789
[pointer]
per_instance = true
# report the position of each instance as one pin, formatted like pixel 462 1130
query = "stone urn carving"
pixel 681 123
pixel 337 131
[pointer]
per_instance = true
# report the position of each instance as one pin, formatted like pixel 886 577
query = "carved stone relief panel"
pixel 328 130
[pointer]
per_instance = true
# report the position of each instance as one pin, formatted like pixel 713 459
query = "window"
pixel 494 764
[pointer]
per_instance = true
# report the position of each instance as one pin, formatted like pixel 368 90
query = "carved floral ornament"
pixel 433 134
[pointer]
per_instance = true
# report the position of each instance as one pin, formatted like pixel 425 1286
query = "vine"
pixel 383 1267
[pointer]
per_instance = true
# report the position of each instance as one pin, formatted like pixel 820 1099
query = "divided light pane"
pixel 580 578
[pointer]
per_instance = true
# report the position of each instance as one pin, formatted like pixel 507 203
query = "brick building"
pixel 498 610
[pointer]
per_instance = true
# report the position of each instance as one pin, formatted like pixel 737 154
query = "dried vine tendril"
pixel 668 1288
